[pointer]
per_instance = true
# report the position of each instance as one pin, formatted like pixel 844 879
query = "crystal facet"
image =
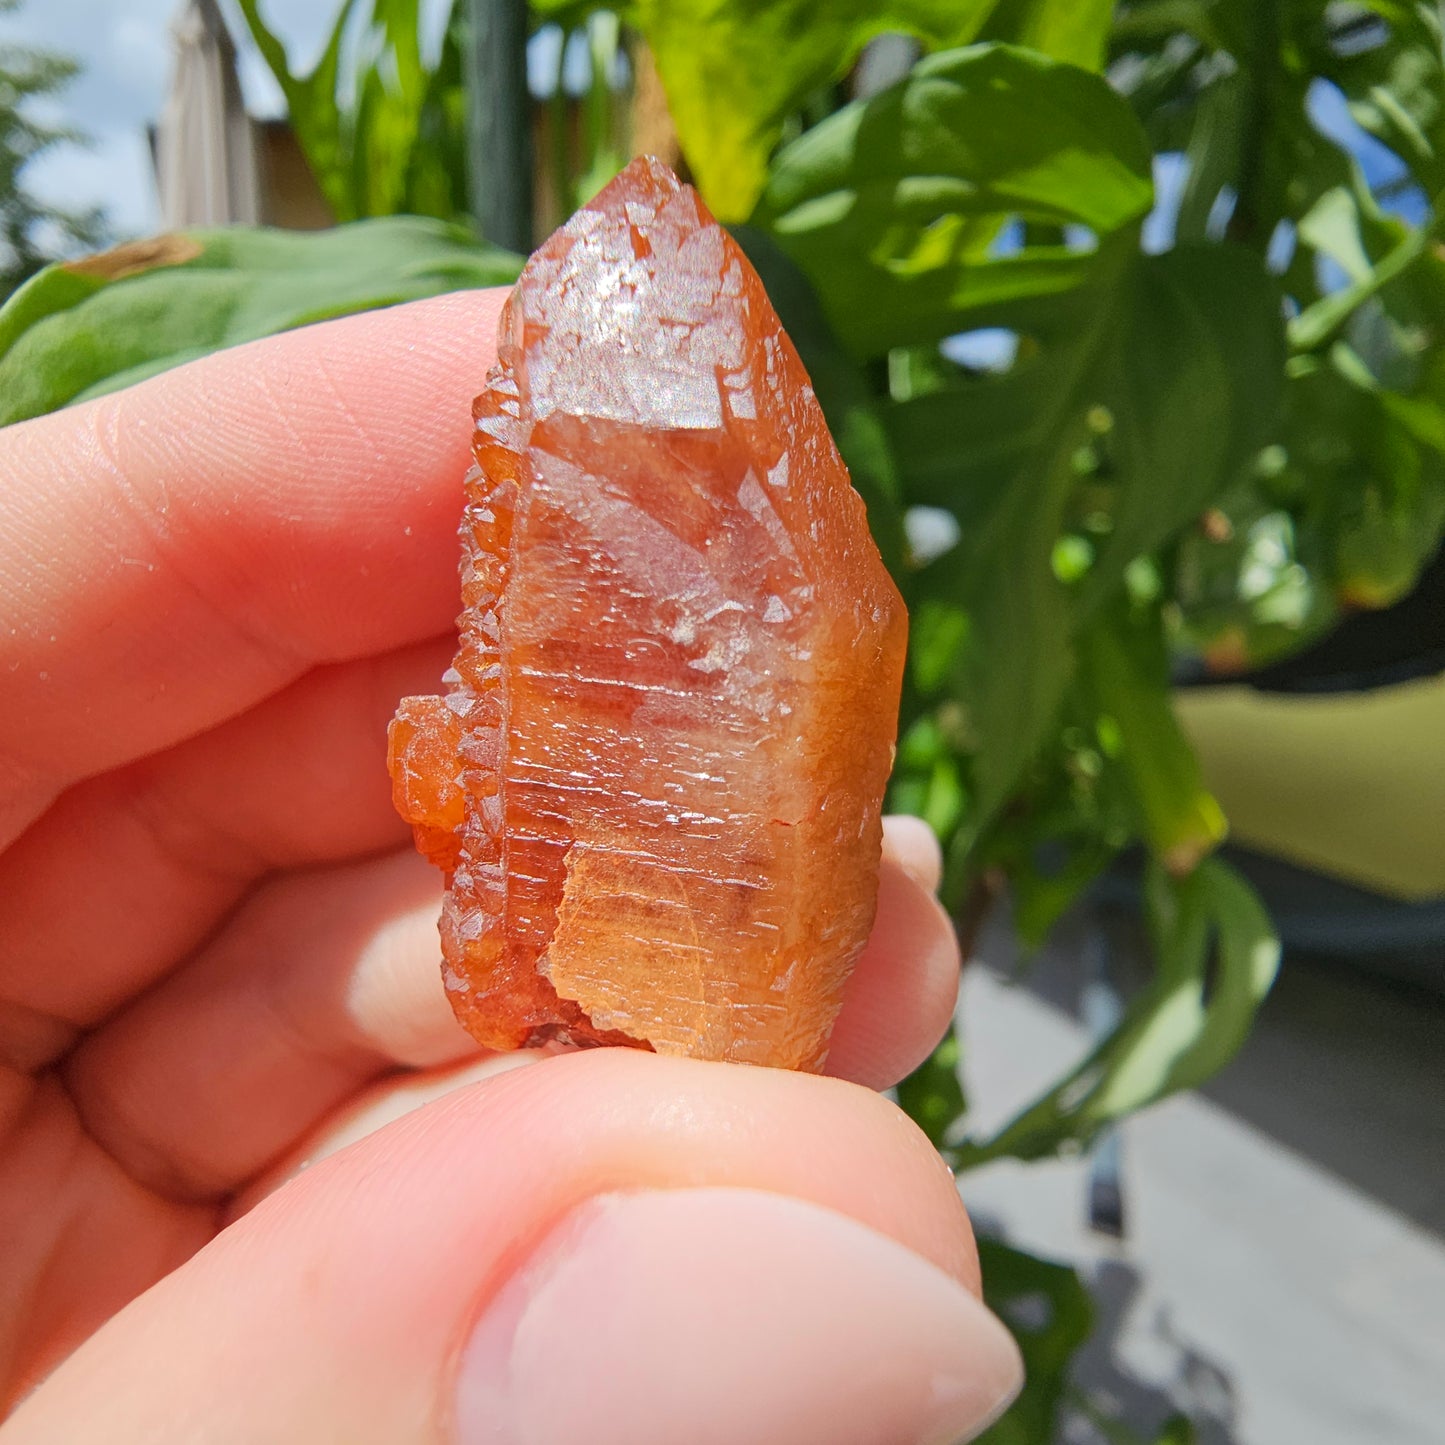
pixel 655 780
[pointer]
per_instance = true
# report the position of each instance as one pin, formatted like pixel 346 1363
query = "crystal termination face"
pixel 655 780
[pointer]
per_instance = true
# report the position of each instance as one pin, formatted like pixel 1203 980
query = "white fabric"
pixel 206 166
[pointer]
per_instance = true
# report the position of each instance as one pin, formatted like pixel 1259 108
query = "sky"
pixel 124 49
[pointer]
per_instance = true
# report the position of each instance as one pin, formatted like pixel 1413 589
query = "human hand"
pixel 255 1183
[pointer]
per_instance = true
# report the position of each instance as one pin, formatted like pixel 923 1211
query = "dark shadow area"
pixel 1199 1387
pixel 1370 648
pixel 1196 1386
pixel 1345 1066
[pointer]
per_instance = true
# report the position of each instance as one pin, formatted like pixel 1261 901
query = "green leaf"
pixel 76 331
pixel 1125 666
pixel 733 73
pixel 881 203
pixel 1396 90
pixel 392 89
pixel 1332 227
pixel 938 637
pixel 1177 1430
pixel 932 1095
pixel 1048 1310
pixel 1214 154
pixel 311 103
pixel 437 181
pixel 1181 1030
pixel 1162 440
pixel 603 153
pixel 1072 30
pixel 1350 509
pixel 381 131
pixel 1322 321
pixel 1156 20
pixel 1375 459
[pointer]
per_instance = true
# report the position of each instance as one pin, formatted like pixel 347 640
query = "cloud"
pixel 115 173
pixel 125 55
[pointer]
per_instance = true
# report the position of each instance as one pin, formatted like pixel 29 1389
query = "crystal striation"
pixel 655 780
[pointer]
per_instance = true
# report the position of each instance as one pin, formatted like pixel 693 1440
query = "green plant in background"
pixel 383 128
pixel 383 125
pixel 33 233
pixel 1128 321
pixel 77 331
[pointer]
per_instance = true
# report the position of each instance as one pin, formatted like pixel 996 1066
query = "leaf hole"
pixel 989 349
pixel 1354 31
pixel 931 532
pixel 1330 113
pixel 1171 173
pixel 1033 1312
pixel 1221 212
pixel 1009 240
pixel 562 59
pixel 1280 251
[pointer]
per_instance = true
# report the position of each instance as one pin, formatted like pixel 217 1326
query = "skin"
pixel 227 1067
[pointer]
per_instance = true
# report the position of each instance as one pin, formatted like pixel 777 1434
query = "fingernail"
pixel 914 846
pixel 723 1315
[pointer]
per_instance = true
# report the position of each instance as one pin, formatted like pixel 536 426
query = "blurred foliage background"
pixel 32 232
pixel 1128 321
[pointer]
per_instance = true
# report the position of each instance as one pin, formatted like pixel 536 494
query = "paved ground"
pixel 1283 1272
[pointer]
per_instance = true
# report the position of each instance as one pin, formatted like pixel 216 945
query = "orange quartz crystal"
pixel 655 780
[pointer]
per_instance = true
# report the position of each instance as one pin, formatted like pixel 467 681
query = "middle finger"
pixel 128 873
pixel 324 981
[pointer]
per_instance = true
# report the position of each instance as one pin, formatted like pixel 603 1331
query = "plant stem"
pixel 500 129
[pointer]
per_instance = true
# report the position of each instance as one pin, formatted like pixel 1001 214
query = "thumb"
pixel 608 1246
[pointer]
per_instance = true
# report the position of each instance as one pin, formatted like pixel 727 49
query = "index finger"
pixel 173 553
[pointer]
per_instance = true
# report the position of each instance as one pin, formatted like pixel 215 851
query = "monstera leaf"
pixel 895 208
pixel 79 329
